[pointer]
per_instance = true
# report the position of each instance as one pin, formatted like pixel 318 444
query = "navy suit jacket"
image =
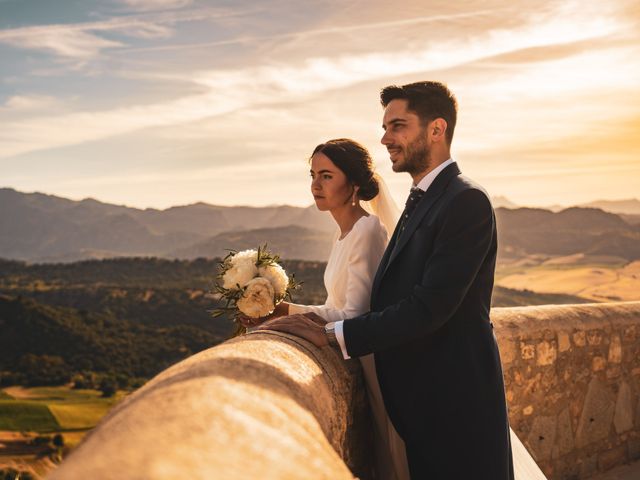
pixel 436 356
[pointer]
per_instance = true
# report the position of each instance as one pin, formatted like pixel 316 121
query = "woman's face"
pixel 329 185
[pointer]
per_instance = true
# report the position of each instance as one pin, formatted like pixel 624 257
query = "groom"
pixel 436 357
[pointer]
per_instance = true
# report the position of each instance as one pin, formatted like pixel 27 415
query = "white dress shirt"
pixel 423 185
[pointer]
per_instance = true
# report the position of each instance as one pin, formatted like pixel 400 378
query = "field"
pixel 596 279
pixel 26 413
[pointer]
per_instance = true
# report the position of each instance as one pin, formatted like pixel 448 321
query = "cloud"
pixel 272 84
pixel 145 5
pixel 83 40
pixel 29 103
pixel 79 41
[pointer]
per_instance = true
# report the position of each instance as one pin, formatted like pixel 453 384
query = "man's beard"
pixel 417 156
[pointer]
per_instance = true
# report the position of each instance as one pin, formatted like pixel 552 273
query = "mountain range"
pixel 36 227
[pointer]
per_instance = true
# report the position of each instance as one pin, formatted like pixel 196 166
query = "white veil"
pixel 383 206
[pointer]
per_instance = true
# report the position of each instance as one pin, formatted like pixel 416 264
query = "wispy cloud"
pixel 28 103
pixel 234 89
pixel 84 40
pixel 145 5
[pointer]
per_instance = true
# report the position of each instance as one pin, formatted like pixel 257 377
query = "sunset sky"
pixel 153 103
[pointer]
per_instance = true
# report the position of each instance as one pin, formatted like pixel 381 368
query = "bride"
pixel 343 182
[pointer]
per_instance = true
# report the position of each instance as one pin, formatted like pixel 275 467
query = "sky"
pixel 155 103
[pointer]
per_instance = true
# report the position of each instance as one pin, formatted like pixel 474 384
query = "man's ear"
pixel 438 129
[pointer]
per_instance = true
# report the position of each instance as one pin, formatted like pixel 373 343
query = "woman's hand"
pixel 307 326
pixel 281 310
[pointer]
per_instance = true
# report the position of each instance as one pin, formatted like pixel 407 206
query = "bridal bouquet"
pixel 252 283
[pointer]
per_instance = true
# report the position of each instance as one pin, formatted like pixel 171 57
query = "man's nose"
pixel 385 138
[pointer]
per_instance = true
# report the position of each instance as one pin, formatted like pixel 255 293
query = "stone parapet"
pixel 572 375
pixel 265 405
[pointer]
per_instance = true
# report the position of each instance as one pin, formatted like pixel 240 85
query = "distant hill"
pixel 80 340
pixel 629 207
pixel 293 242
pixel 526 231
pixel 45 228
pixel 39 227
pixel 502 202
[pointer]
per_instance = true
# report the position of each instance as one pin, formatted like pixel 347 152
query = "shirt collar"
pixel 428 179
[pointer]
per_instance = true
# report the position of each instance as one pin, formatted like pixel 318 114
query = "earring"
pixel 353 200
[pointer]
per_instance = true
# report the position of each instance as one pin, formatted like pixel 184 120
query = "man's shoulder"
pixel 463 190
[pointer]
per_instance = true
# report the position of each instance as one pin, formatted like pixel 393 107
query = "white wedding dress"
pixel 348 279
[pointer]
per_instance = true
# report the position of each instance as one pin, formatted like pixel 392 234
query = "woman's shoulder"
pixel 369 225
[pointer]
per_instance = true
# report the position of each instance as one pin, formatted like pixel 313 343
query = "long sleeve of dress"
pixel 350 272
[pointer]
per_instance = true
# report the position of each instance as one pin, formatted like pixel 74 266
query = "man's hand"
pixel 301 326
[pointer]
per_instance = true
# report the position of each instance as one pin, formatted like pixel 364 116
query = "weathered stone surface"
pixel 623 417
pixel 594 337
pixel 265 405
pixel 615 349
pixel 508 351
pixel 612 457
pixel 564 343
pixel 588 466
pixel 597 413
pixel 598 364
pixel 633 447
pixel 564 438
pixel 542 437
pixel 527 350
pixel 546 353
pixel 580 339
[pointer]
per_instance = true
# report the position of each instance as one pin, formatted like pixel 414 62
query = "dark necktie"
pixel 412 200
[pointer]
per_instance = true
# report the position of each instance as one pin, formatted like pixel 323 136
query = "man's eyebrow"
pixel 394 121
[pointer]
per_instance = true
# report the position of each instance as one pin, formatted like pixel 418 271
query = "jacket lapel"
pixel 432 194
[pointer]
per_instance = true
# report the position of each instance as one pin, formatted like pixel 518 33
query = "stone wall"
pixel 572 375
pixel 272 406
pixel 265 405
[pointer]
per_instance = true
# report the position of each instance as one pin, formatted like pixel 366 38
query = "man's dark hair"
pixel 428 100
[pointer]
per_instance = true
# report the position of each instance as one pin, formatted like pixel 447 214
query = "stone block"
pixel 542 437
pixel 613 372
pixel 594 337
pixel 612 458
pixel 508 351
pixel 579 339
pixel 598 364
pixel 564 436
pixel 564 343
pixel 629 334
pixel 597 414
pixel 588 466
pixel 546 353
pixel 633 446
pixel 527 351
pixel 623 417
pixel 615 349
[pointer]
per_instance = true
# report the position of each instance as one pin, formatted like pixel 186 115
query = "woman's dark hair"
pixel 354 161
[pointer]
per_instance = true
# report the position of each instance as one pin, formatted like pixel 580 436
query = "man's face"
pixel 405 138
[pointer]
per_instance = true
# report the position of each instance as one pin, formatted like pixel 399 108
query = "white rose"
pixel 277 276
pixel 243 269
pixel 257 300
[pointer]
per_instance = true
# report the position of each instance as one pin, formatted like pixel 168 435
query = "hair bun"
pixel 369 190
